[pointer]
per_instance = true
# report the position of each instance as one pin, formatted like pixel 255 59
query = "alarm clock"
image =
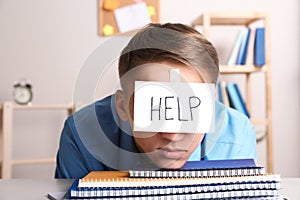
pixel 22 92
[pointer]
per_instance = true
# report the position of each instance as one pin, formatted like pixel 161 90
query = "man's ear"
pixel 121 105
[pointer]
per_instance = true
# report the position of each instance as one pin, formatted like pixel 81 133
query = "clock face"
pixel 22 95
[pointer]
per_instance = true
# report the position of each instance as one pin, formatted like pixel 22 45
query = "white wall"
pixel 47 41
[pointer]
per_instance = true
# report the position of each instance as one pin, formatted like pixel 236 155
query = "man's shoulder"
pixel 232 125
pixel 95 122
pixel 102 108
pixel 230 116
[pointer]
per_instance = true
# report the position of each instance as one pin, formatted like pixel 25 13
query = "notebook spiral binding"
pixel 198 173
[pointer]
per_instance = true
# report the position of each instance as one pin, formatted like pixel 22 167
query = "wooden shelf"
pixel 6 138
pixel 37 106
pixel 259 121
pixel 33 161
pixel 225 18
pixel 209 19
pixel 42 107
pixel 241 69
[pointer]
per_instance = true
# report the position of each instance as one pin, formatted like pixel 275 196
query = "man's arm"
pixel 73 160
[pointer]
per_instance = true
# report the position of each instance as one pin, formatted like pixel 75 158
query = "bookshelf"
pixel 7 110
pixel 209 19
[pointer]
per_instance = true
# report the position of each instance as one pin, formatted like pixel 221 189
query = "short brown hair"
pixel 172 42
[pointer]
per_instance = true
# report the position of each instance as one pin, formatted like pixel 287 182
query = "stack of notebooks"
pixel 222 179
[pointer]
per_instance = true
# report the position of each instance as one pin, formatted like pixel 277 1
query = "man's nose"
pixel 172 136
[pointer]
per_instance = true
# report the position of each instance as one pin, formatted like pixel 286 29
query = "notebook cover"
pixel 211 164
pixel 219 164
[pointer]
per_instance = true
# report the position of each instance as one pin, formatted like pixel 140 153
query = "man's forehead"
pixel 152 72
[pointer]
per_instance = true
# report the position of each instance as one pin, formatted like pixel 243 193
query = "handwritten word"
pixel 194 102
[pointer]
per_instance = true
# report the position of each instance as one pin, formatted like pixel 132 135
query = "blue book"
pixel 259 47
pixel 242 54
pixel 235 98
pixel 235 50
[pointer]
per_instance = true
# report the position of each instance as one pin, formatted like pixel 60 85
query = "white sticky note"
pixel 180 108
pixel 132 17
pixel 174 75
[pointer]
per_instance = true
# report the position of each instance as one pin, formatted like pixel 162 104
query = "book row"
pixel 249 47
pixel 230 95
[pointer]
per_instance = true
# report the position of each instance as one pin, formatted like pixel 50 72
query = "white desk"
pixel 290 188
pixel 37 189
pixel 31 189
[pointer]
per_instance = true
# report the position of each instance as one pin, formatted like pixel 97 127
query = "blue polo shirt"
pixel 95 139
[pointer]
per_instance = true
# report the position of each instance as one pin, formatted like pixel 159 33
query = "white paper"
pixel 174 108
pixel 132 17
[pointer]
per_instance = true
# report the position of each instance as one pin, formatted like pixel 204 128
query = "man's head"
pixel 149 56
pixel 174 43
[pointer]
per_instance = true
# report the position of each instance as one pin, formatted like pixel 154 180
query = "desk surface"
pixel 32 189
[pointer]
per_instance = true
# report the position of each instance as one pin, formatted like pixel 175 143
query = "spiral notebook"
pixel 205 168
pixel 102 184
pixel 216 180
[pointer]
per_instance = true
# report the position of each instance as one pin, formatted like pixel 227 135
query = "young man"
pixel 101 136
